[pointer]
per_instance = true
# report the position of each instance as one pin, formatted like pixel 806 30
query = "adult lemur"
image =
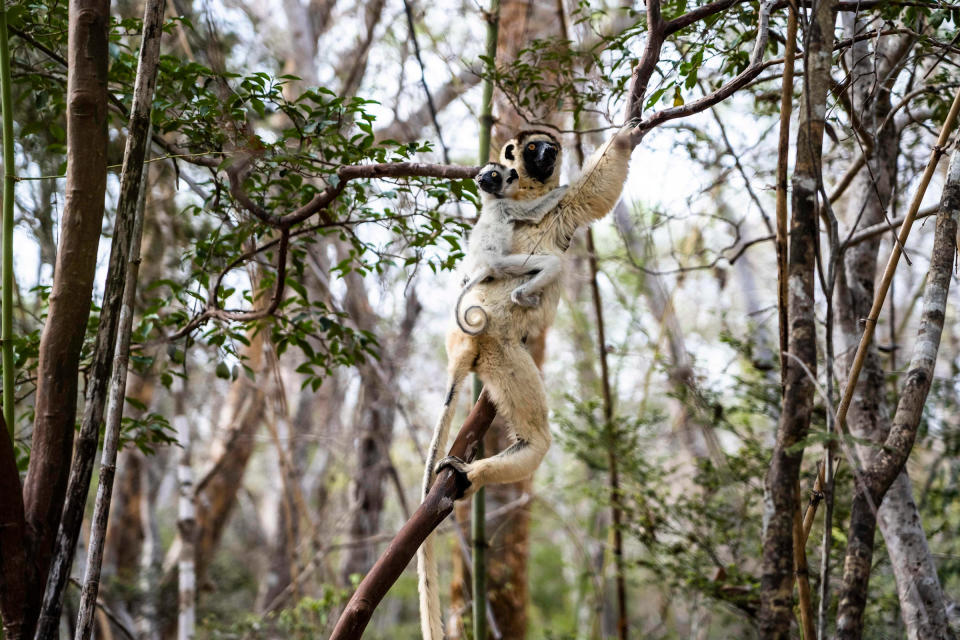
pixel 499 356
pixel 488 253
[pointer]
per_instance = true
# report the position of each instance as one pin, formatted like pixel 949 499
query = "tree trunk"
pixel 888 462
pixel 63 333
pixel 868 418
pixel 186 526
pixel 776 594
pixel 377 414
pixel 126 235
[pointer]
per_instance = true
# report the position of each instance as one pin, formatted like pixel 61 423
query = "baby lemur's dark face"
pixel 497 180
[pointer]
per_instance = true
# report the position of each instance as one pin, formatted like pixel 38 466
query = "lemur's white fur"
pixel 488 252
pixel 499 356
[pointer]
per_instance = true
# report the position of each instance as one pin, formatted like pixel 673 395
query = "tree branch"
pixel 656 33
pixel 334 188
pixel 742 79
pixel 890 459
pixel 435 508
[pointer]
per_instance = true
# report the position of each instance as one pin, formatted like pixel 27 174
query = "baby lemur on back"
pixel 499 355
pixel 488 252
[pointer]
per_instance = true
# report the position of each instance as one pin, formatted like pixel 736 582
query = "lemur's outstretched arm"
pixel 534 210
pixel 536 157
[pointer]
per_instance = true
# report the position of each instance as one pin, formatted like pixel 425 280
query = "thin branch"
pixel 742 79
pixel 408 10
pixel 336 187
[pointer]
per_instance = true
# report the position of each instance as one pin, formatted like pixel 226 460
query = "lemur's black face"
pixel 539 159
pixel 496 179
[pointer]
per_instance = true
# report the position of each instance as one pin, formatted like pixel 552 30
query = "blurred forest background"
pixel 285 373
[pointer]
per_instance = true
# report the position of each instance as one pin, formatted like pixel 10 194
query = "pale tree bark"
pixel 125 528
pixel 216 492
pixel 781 499
pixel 918 588
pixel 186 525
pixel 151 559
pixel 108 464
pixel 888 462
pixel 58 369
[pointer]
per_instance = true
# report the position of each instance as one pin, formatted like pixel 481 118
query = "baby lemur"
pixel 499 355
pixel 488 252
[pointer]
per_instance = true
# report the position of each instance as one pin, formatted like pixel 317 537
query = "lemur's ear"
pixel 513 176
pixel 508 152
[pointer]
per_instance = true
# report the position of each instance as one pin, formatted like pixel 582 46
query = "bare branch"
pixel 742 79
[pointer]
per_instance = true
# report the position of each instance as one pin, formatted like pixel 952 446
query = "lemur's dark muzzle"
pixel 547 156
pixel 489 183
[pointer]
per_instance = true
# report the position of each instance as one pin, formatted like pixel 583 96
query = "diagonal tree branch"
pixel 435 508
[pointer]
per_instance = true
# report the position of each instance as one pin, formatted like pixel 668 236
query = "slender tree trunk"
pixel 9 180
pixel 108 464
pixel 888 462
pixel 868 418
pixel 783 475
pixel 63 333
pixel 377 415
pixel 186 527
pixel 126 235
pixel 151 560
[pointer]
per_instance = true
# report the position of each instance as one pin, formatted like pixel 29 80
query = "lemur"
pixel 499 355
pixel 488 252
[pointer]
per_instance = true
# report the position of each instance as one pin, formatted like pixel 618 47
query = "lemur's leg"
pixel 528 294
pixel 547 268
pixel 461 354
pixel 513 381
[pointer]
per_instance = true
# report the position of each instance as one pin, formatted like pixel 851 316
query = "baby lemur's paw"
pixel 459 469
pixel 524 299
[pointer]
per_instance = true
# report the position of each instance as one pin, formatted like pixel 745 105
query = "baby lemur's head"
pixel 497 181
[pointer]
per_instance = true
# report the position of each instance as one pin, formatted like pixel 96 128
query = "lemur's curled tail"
pixel 431 622
pixel 477 325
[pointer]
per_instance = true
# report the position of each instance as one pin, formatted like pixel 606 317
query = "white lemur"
pixel 499 355
pixel 488 252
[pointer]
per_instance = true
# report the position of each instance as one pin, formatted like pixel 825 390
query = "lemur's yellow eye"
pixel 494 174
pixel 531 146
